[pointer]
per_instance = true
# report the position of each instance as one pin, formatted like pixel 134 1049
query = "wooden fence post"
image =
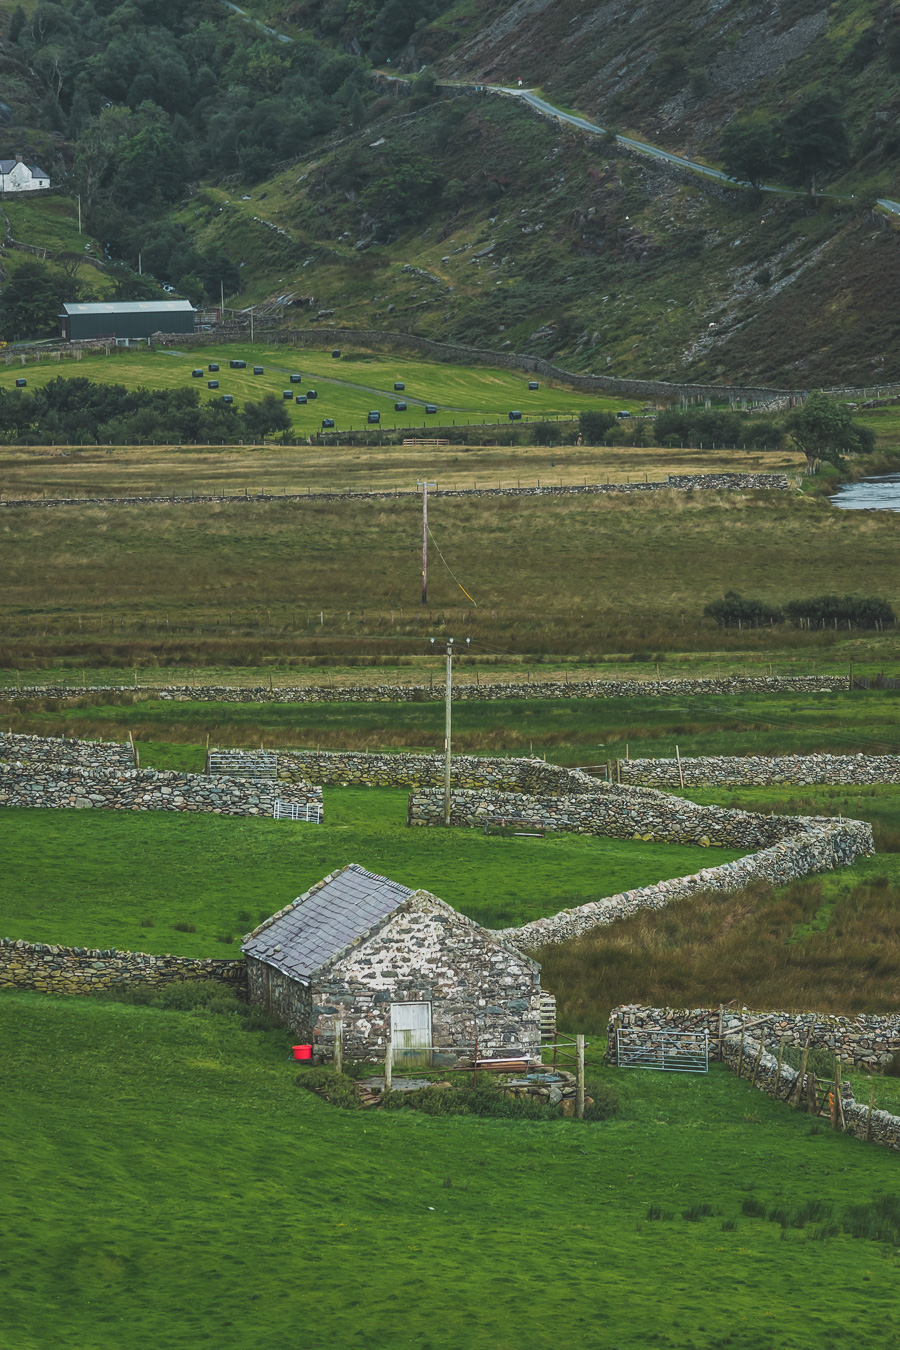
pixel 579 1077
pixel 756 1063
pixel 388 1064
pixel 795 1097
pixel 778 1067
pixel 740 1063
pixel 339 1045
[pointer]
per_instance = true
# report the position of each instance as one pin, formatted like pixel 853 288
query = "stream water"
pixel 872 494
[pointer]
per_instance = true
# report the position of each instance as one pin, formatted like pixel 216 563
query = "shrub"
pixel 605 1103
pixel 336 1088
pixel 862 611
pixel 735 609
pixel 594 426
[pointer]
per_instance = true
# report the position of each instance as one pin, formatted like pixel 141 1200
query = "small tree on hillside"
pixel 594 426
pixel 750 151
pixel 814 138
pixel 823 429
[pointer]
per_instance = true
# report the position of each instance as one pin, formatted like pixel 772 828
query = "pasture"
pixel 171 734
pixel 259 583
pixel 347 389
pixel 189 1193
pixel 159 882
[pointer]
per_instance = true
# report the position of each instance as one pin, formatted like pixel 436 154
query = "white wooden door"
pixel 411 1034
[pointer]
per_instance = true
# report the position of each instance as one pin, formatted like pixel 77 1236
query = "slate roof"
pixel 129 307
pixel 319 925
pixel 7 166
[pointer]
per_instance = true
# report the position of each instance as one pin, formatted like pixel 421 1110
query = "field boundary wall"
pixel 683 482
pixel 783 847
pixel 750 770
pixel 474 356
pixel 85 970
pixel 866 1042
pixel 52 750
pixel 462 692
pixel 66 786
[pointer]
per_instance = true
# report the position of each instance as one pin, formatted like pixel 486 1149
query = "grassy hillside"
pixel 198 1194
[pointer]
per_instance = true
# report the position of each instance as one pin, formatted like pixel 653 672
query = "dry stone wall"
pixel 49 750
pixel 715 482
pixel 462 691
pixel 32 784
pixel 752 1056
pixel 867 1041
pixel 85 970
pixel 738 771
pixel 780 848
pixel 352 768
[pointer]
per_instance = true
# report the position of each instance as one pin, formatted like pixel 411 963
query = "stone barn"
pixel 389 961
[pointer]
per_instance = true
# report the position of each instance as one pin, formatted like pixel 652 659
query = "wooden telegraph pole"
pixel 424 484
pixel 448 705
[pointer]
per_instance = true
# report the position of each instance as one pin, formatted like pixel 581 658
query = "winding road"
pixel 583 124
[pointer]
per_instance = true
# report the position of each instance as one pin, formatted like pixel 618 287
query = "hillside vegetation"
pixel 223 159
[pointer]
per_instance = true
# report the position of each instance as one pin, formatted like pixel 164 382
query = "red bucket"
pixel 302 1051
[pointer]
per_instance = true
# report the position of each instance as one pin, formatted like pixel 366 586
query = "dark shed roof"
pixel 322 923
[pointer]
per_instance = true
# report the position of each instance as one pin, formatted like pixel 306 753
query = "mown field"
pixel 194 885
pixel 251 583
pixel 348 388
pixel 168 1184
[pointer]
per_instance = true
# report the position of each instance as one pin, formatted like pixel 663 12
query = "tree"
pixel 750 151
pixel 814 138
pixel 823 429
pixel 265 417
pixel 594 425
pixel 30 302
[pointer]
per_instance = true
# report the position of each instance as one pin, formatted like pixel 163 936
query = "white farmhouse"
pixel 17 176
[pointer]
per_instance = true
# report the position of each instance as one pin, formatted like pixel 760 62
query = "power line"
pixel 449 568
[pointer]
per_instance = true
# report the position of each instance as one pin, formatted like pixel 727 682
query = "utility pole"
pixel 140 265
pixel 448 703
pixel 221 301
pixel 79 212
pixel 424 484
pixel 251 323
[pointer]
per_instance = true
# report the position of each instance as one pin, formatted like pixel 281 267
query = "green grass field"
pixel 569 731
pixel 168 1185
pixel 348 389
pixel 126 879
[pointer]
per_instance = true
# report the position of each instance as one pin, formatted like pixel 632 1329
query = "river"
pixel 872 494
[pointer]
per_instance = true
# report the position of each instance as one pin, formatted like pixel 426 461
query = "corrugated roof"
pixel 319 925
pixel 130 307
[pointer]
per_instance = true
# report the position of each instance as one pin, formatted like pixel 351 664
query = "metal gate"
pixel 670 1051
pixel 311 811
pixel 242 763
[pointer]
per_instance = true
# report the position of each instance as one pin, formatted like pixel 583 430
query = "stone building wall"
pixel 465 689
pixel 424 952
pixel 427 952
pixel 31 784
pixel 747 770
pixel 84 970
pixel 286 1000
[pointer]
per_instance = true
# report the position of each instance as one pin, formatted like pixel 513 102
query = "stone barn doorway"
pixel 411 1035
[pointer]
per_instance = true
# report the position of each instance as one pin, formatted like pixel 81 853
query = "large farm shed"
pixel 126 319
pixel 389 961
